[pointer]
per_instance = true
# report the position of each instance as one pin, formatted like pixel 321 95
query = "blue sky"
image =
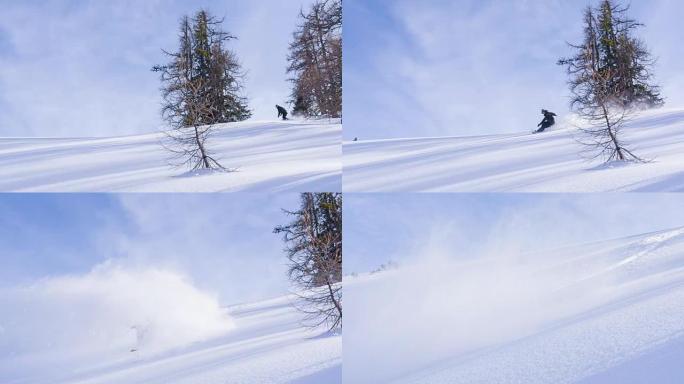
pixel 223 243
pixel 471 67
pixel 399 227
pixel 82 67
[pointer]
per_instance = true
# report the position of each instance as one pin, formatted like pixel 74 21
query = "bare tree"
pixel 598 86
pixel 315 61
pixel 314 250
pixel 187 141
pixel 605 118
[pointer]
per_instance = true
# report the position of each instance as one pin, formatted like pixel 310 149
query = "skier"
pixel 281 112
pixel 547 122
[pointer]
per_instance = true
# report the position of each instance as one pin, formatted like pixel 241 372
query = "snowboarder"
pixel 547 122
pixel 281 112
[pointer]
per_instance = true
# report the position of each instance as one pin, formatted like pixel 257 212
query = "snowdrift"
pixel 152 326
pixel 301 156
pixel 525 162
pixel 610 312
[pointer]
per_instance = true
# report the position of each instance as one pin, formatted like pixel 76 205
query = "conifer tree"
pixel 609 78
pixel 315 61
pixel 314 250
pixel 621 57
pixel 626 57
pixel 201 87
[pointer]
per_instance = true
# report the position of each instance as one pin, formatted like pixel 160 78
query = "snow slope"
pixel 548 162
pixel 267 346
pixel 610 312
pixel 269 156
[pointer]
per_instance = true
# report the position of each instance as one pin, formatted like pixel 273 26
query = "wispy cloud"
pixel 82 67
pixel 223 243
pixel 473 67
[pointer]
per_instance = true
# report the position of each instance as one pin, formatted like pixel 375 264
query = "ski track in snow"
pixel 574 351
pixel 634 334
pixel 268 156
pixel 547 162
pixel 268 346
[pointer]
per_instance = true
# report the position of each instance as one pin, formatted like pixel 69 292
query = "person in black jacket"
pixel 281 112
pixel 548 121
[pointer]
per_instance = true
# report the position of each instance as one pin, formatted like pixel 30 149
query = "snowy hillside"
pixel 523 162
pixel 265 344
pixel 268 156
pixel 610 312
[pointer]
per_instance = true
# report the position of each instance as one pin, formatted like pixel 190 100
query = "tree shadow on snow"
pixel 616 164
pixel 206 172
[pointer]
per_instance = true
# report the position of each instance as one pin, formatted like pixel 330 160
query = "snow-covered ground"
pixel 608 312
pixel 265 343
pixel 268 156
pixel 523 162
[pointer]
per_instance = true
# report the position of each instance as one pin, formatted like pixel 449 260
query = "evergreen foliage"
pixel 201 86
pixel 612 52
pixel 610 77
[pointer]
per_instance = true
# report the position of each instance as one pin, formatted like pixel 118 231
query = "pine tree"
pixel 201 87
pixel 619 55
pixel 314 251
pixel 609 78
pixel 220 68
pixel 315 61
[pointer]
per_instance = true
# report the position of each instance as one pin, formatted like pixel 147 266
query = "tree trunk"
pixel 334 300
pixel 613 138
pixel 205 159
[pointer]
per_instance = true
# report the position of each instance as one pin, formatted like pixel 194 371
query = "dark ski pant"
pixel 543 127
